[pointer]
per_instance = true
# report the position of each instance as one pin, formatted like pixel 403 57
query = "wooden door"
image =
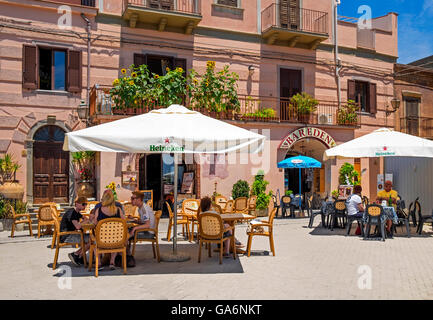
pixel 289 14
pixel 412 116
pixel 290 84
pixel 50 167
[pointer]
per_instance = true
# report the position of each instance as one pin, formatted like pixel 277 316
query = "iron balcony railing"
pixel 181 6
pixel 251 109
pixel 294 18
pixel 417 126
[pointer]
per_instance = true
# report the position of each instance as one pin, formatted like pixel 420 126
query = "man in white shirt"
pixel 354 203
pixel 147 217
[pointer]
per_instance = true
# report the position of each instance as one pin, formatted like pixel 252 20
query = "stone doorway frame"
pixel 29 161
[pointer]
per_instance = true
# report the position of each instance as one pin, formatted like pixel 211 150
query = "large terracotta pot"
pixel 85 189
pixel 12 190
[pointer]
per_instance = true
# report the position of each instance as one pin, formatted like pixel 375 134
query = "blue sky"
pixel 415 23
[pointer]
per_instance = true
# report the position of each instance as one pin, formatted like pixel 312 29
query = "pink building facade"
pixel 278 48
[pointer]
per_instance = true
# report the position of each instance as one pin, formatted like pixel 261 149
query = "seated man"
pixel 386 194
pixel 206 206
pixel 147 216
pixel 71 222
pixel 354 203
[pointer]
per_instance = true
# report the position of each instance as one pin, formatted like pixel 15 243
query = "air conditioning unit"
pixel 325 118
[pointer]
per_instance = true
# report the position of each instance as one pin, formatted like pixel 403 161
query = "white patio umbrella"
pixel 175 129
pixel 382 142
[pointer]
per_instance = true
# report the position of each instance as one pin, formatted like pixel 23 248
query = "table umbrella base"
pixel 172 257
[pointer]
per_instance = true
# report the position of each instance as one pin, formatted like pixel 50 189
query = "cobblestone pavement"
pixel 309 264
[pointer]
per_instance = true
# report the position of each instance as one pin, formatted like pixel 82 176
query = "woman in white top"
pixel 354 203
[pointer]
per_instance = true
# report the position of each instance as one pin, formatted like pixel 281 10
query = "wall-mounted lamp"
pixel 82 110
pixel 395 104
pixel 251 70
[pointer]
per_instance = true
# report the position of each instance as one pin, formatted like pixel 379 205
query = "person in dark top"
pixel 71 222
pixel 107 210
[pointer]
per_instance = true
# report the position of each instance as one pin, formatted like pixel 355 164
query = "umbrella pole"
pixel 175 206
pixel 300 181
pixel 175 256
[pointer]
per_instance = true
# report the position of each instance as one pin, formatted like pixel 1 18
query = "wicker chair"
pixel 217 208
pixel 182 221
pixel 211 229
pixel 191 206
pixel 374 215
pixel 229 206
pixel 46 213
pixel 252 204
pixel 221 201
pixel 257 229
pixel 18 220
pixel 130 209
pixel 339 212
pixel 110 236
pixel 153 240
pixel 56 239
pixel 240 205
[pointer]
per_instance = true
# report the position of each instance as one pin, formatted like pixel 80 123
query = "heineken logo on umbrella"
pixel 167 147
pixel 384 152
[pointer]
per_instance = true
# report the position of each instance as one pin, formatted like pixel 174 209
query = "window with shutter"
pixel 139 59
pixel 363 93
pixel 231 3
pixel 372 101
pixel 74 71
pixel 30 67
pixel 351 90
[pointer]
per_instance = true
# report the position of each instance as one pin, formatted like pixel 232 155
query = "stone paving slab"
pixel 309 264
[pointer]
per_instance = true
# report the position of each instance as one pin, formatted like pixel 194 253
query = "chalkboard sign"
pixel 148 195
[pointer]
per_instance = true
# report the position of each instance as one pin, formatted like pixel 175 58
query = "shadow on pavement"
pixel 146 264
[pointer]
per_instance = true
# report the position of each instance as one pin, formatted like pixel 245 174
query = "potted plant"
pixel 6 217
pixel 259 189
pixel 10 188
pixel 335 194
pixel 84 168
pixel 348 175
pixel 288 193
pixel 304 104
pixel 346 114
pixel 240 189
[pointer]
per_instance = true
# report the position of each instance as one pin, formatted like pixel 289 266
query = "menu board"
pixel 187 182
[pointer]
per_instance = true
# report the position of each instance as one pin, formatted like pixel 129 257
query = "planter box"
pixel 261 212
pixel 7 224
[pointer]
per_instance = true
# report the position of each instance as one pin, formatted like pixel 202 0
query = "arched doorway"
pixel 312 180
pixel 50 166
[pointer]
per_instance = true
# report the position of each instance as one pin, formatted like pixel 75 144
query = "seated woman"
pixel 354 203
pixel 205 205
pixel 107 210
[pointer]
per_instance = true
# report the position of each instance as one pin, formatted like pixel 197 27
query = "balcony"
pixel 87 3
pixel 102 110
pixel 173 14
pixel 293 26
pixel 417 126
